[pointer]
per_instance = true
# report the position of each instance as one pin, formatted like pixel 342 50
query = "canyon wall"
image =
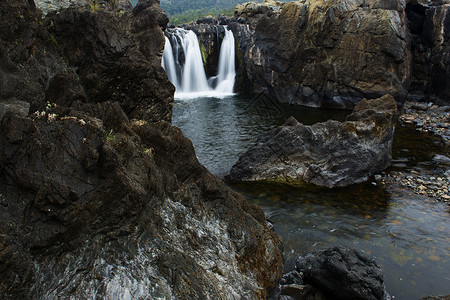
pixel 335 53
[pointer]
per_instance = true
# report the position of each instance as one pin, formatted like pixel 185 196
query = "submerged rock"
pixel 329 154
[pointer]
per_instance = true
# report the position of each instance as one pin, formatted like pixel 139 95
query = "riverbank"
pixel 433 120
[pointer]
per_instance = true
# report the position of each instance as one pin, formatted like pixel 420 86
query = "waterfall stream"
pixel 182 60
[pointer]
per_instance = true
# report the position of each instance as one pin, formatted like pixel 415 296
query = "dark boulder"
pixel 329 154
pixel 118 58
pixel 343 273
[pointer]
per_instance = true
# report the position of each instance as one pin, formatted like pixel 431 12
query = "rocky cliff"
pixel 429 24
pixel 335 53
pixel 100 197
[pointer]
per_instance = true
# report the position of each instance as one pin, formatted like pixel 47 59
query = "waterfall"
pixel 182 60
pixel 227 72
pixel 168 63
pixel 194 76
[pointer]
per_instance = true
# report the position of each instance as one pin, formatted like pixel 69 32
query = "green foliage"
pixel 53 40
pixel 111 137
pixel 192 15
pixel 186 11
pixel 93 4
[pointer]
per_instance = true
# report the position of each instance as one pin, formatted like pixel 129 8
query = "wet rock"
pixel 329 154
pixel 442 159
pixel 343 273
pixel 428 118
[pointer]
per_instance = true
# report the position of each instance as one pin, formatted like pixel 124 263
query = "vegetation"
pixel 187 11
pixel 93 5
pixel 192 15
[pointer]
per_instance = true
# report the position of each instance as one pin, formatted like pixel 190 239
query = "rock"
pixel 29 57
pixel 18 107
pixel 118 59
pixel 329 154
pixel 324 53
pixel 292 277
pixel 210 36
pixel 430 50
pixel 55 5
pixel 436 298
pixel 343 273
pixel 441 159
pixel 95 203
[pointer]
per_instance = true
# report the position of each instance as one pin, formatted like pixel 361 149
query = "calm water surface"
pixel 408 234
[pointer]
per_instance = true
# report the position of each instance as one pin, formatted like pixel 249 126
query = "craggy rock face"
pixel 93 205
pixel 430 47
pixel 329 154
pixel 325 53
pixel 118 59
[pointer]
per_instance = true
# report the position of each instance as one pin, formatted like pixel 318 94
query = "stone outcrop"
pixel 325 53
pixel 335 53
pixel 429 26
pixel 330 274
pixel 330 154
pixel 118 61
pixel 95 204
pixel 343 274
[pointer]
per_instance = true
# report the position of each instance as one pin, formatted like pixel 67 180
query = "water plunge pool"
pixel 408 234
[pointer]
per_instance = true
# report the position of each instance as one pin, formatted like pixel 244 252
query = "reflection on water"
pixel 408 234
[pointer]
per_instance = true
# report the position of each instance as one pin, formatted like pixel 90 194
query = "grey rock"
pixel 14 106
pixel 343 273
pixel 441 159
pixel 329 154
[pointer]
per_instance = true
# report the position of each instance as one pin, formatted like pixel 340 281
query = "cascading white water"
pixel 194 76
pixel 168 63
pixel 227 69
pixel 182 60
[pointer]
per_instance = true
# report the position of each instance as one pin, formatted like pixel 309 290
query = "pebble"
pixel 427 118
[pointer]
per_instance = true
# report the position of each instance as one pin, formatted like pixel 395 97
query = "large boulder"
pixel 343 273
pixel 330 154
pixel 94 202
pixel 89 212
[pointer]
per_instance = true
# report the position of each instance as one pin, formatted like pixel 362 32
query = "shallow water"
pixel 408 234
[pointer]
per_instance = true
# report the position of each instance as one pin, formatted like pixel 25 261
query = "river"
pixel 408 234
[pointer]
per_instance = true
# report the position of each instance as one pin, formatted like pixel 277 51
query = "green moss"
pixel 53 40
pixel 111 137
pixel 204 53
